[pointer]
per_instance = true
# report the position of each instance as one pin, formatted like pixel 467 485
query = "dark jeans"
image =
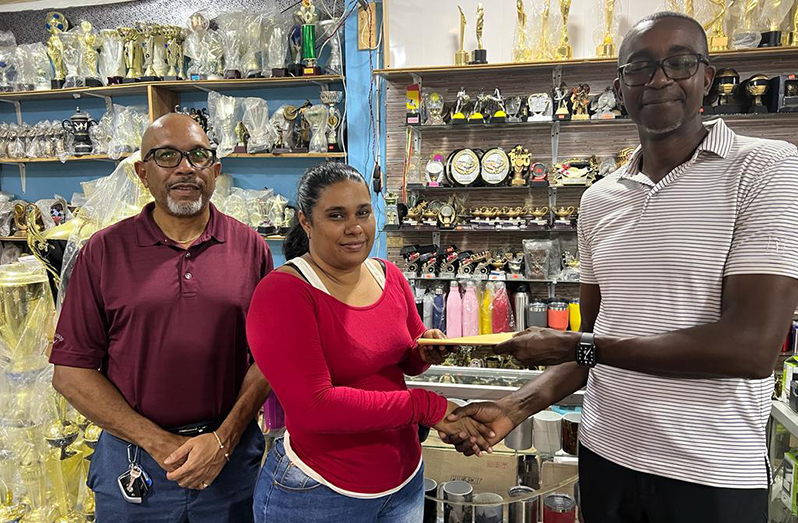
pixel 227 500
pixel 614 494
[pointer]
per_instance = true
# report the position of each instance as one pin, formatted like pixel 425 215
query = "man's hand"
pixel 537 346
pixel 465 429
pixel 164 444
pixel 435 354
pixel 202 460
pixel 495 415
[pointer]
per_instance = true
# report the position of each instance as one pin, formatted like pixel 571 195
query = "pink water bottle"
pixel 470 310
pixel 454 312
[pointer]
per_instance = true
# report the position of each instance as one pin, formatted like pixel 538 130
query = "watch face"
pixel 465 167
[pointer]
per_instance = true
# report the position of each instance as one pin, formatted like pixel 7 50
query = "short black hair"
pixel 624 51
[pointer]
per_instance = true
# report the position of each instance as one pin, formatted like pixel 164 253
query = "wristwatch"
pixel 586 351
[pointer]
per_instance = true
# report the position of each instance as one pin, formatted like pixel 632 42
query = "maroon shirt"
pixel 167 326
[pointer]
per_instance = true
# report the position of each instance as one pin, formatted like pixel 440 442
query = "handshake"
pixel 476 427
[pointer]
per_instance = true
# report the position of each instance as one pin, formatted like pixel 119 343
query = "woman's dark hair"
pixel 311 184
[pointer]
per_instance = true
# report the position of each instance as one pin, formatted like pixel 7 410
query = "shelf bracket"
pixel 555 141
pixel 552 286
pixel 201 88
pixel 436 238
pixel 109 103
pixel 556 76
pixel 17 109
pixel 22 174
pixel 324 86
pixel 416 79
pixel 552 200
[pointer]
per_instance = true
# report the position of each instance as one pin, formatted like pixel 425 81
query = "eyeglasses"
pixel 677 67
pixel 168 157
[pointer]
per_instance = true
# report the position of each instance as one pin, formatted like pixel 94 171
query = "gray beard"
pixel 185 208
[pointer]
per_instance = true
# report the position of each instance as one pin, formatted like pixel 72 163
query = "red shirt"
pixel 164 324
pixel 339 373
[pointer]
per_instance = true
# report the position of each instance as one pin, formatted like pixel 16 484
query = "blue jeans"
pixel 227 500
pixel 284 494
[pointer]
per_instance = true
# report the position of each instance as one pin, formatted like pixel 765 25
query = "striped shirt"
pixel 659 253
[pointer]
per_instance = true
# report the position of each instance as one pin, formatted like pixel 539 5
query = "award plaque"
pixel 435 171
pixel 727 84
pixel 413 104
pixel 784 94
pixel 539 106
pixel 575 172
pixel 480 54
pixel 464 167
pixel 519 157
pixel 514 106
pixel 538 175
pixel 580 101
pixel 461 56
pixel 463 100
pixel 495 167
pixel 756 87
pixel 561 97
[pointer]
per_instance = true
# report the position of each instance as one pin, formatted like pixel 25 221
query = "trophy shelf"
pixel 95 157
pixel 273 238
pixel 504 189
pixel 774 53
pixel 462 228
pixel 473 277
pixel 286 155
pixel 22 239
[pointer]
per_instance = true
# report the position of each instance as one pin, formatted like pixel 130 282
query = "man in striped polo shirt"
pixel 689 281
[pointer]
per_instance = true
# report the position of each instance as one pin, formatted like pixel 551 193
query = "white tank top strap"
pixel 375 267
pixel 310 275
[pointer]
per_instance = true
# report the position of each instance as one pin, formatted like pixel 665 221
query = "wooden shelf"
pixel 462 230
pixel 286 155
pixel 97 157
pixel 472 277
pixel 23 239
pixel 507 67
pixel 141 88
pixel 273 238
pixel 508 188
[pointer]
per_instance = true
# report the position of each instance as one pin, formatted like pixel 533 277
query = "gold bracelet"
pixel 221 447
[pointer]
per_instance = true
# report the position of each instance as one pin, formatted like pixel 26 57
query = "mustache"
pixel 198 182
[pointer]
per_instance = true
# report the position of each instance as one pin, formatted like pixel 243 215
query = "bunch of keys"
pixel 135 482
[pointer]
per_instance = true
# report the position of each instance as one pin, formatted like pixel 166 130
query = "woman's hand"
pixel 466 429
pixel 435 354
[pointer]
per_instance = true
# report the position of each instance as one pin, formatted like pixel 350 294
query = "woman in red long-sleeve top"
pixel 335 332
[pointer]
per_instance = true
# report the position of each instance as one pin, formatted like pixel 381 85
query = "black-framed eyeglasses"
pixel 676 67
pixel 168 157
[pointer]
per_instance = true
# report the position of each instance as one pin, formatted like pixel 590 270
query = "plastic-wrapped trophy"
pixel 606 35
pixel 19 73
pixel 746 35
pixel 89 44
pixel 112 56
pixel 277 39
pixel 316 116
pixel 213 55
pixel 159 63
pixel 772 16
pixel 233 39
pixel 7 58
pixel 132 53
pixel 198 25
pixel 173 42
pixel 149 32
pixel 65 463
pixel 544 50
pixel 72 58
pixel 282 120
pixel 262 135
pixel 55 25
pixel 334 122
pixel 222 111
pixel 253 32
pixel 330 33
pixel 522 50
pixel 714 26
pixel 565 50
pixel 307 17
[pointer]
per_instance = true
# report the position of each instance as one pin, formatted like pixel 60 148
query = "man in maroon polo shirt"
pixel 151 344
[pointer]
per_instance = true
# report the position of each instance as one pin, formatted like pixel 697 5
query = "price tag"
pixel 446 276
pixel 428 276
pixel 515 277
pixel 497 276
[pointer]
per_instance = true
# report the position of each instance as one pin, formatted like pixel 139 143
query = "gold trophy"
pixel 174 52
pixel 520 160
pixel 56 24
pixel 133 57
pixel 461 56
pixel 773 14
pixel 242 136
pixel 756 87
pixel 544 50
pixel 64 463
pixel 564 216
pixel 89 44
pixel 565 51
pixel 718 41
pixel 480 54
pixel 790 38
pixel 150 32
pixel 607 47
pixel 521 49
pixel 580 101
pixel 747 36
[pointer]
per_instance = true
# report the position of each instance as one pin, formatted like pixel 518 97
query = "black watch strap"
pixel 586 351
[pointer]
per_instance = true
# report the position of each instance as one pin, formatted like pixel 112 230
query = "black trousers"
pixel 613 494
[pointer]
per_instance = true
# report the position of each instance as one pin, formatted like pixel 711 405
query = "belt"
pixel 195 429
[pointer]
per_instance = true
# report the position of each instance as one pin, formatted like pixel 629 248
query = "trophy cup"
pixel 520 159
pixel 435 170
pixel 580 101
pixel 756 87
pixel 78 125
pixel 727 83
pixel 544 49
pixel 606 49
pixel 480 54
pixel 198 25
pixel 55 25
pixel 521 50
pixel 112 56
pixel 413 105
pixel 560 96
pixel 253 29
pixel 65 464
pixel 89 43
pixel 461 56
pixel 330 33
pixel 718 41
pixel 773 14
pixel 174 52
pixel 434 104
pixel 133 57
pixel 565 51
pixel 459 117
pixel 317 117
pixel 278 46
pixel 213 53
pixel 148 32
pixel 392 211
pixel 307 17
pixel 331 99
pixel 539 106
pixel 72 59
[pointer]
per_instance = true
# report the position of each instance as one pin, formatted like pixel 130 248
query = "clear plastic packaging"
pixel 233 40
pixel 213 54
pixel 262 135
pixel 253 33
pixel 102 134
pixel 112 60
pixel 89 46
pixel 222 111
pixel 316 116
pixel 129 124
pixel 277 43
pixel 541 258
pixel 72 57
pixel 7 60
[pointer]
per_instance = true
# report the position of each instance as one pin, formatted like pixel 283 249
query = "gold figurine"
pixel 607 47
pixel 88 39
pixel 133 56
pixel 521 50
pixel 56 24
pixel 718 41
pixel 565 51
pixel 461 56
pixel 480 55
pixel 520 159
pixel 544 51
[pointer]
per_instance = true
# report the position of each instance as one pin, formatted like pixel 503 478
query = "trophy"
pixel 307 17
pixel 544 49
pixel 295 50
pixel 233 43
pixel 242 137
pixel 133 57
pixel 575 172
pixel 282 121
pixel 78 125
pixel 773 14
pixel 198 25
pixel 72 59
pixel 174 37
pixel 783 94
pixel 756 87
pixel 89 43
pixel 519 157
pixel 330 33
pixel 790 38
pixel 580 101
pixel 434 104
pixel 413 105
pixel 563 216
pixel 55 25
pixel 278 46
pixel 147 31
pixel 565 51
pixel 392 212
pixel 495 167
pixel 459 117
pixel 560 96
pixel 727 83
pixel 480 54
pixel 718 41
pixel 539 106
pixel 499 115
pixel 253 27
pixel 213 54
pixel 476 115
pixel 317 117
pixel 435 171
pixel 606 49
pixel 159 63
pixel 463 167
pixel 538 175
pixel 746 36
pixel 521 50
pixel 331 99
pixel 461 56
pixel 604 105
pixel 112 56
pixel 65 464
